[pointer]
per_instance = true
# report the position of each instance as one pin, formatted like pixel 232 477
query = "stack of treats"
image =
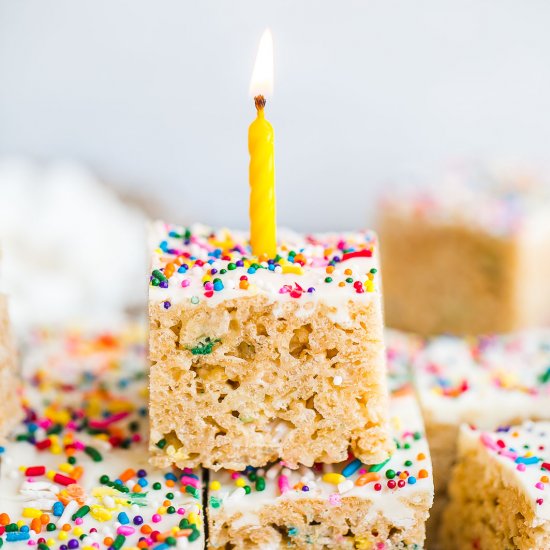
pixel 465 281
pixel 271 373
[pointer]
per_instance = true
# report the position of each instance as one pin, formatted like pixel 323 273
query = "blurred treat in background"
pixel 468 255
pixel 72 250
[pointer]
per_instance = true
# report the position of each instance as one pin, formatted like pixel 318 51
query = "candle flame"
pixel 261 82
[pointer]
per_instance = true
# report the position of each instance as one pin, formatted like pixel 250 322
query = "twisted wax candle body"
pixel 263 230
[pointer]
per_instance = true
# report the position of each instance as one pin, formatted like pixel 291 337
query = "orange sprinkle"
pixel 330 269
pixel 44 519
pixel 348 271
pixel 77 472
pixel 4 519
pixel 544 479
pixel 66 527
pixel 36 525
pixel 243 285
pixel 136 488
pixel 142 544
pixel 363 479
pixel 167 503
pixel 127 474
pixel 422 473
pixel 341 283
pixel 404 475
pixel 108 541
pixel 420 456
pixel 169 483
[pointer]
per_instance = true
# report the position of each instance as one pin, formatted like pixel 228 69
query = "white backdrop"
pixel 153 95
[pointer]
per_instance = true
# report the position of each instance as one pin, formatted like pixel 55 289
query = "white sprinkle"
pixel 345 486
pixel 237 494
pixel 337 380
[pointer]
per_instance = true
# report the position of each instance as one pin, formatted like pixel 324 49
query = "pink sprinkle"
pixel 181 511
pixel 126 530
pixel 362 471
pixel 188 470
pixel 79 521
pixel 283 484
pixel 100 424
pixel 235 475
pixel 539 485
pixel 136 438
pixel 187 480
pixel 208 286
pixel 488 442
pixel 31 542
pixel 334 499
pixel 520 467
pixel 540 501
pixel 156 518
pixel 185 282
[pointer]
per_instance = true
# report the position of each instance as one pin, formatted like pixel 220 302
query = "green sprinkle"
pixel 408 463
pixel 195 300
pixel 204 347
pixel 161 443
pixel 119 541
pixel 328 279
pixel 247 489
pixel 171 510
pixel 260 484
pixel 192 491
pixel 11 527
pixel 81 512
pixel 51 527
pixel 349 280
pixel 94 454
pixel 194 535
pixel 231 266
pixel 170 496
pixel 170 541
pixel 390 474
pixel 157 274
pixel 71 460
pixel 157 486
pixel 374 270
pixel 184 523
pixel 378 467
pixel 544 378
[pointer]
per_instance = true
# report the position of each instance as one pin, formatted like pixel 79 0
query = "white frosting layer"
pixel 486 382
pixel 279 280
pixel 395 504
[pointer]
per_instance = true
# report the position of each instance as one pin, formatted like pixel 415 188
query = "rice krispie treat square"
pixel 499 490
pixel 485 382
pixel 259 359
pixel 468 262
pixel 10 405
pixel 347 505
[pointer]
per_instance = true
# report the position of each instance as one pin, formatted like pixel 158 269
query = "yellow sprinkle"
pixel 62 535
pixel 240 482
pixel 215 486
pixel 293 268
pixel 50 542
pixel 162 510
pixel 55 449
pixel 78 531
pixel 20 523
pixel 66 467
pixel 194 518
pixel 100 513
pixel 333 478
pixel 31 513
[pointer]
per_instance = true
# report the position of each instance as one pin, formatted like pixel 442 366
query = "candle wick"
pixel 259 101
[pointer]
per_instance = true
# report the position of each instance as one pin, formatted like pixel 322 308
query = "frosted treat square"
pixel 10 406
pixel 347 505
pixel 472 262
pixel 486 382
pixel 76 475
pixel 499 490
pixel 259 359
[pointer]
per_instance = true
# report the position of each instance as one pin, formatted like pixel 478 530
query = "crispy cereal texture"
pixel 486 513
pixel 10 407
pixel 312 524
pixel 458 279
pixel 237 384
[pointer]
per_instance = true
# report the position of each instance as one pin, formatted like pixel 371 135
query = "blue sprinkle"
pixel 251 270
pixel 2 450
pixel 163 246
pixel 291 532
pixel 351 468
pixel 411 480
pixel 123 518
pixel 218 285
pixel 527 460
pixel 162 546
pixel 142 482
pixel 17 535
pixel 171 476
pixel 182 269
pixel 58 508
